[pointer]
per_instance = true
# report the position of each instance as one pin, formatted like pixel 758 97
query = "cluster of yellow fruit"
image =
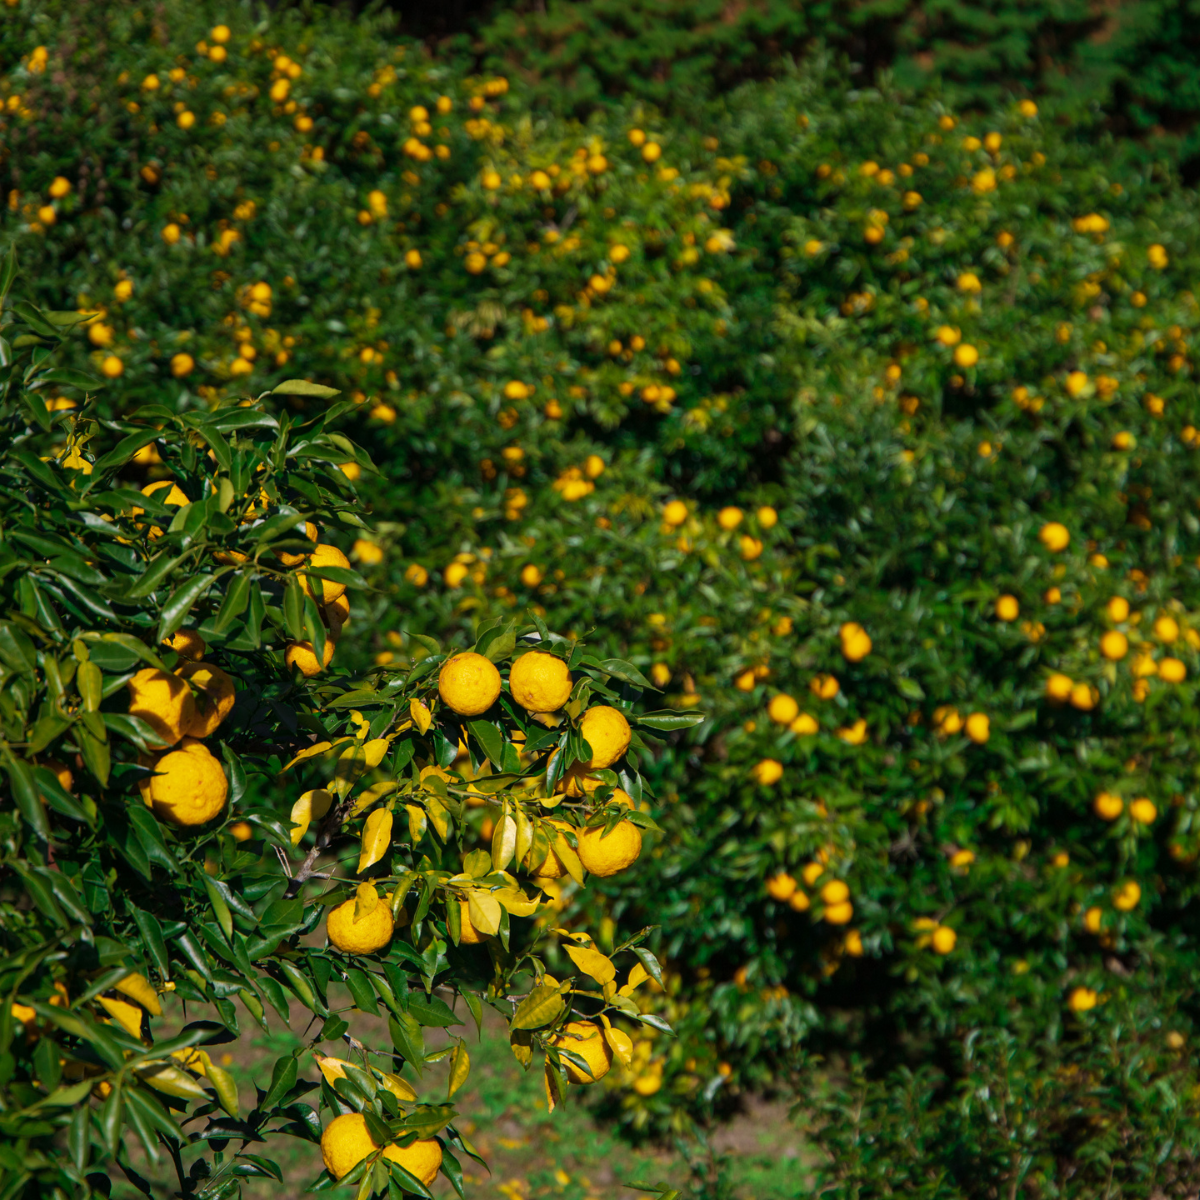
pixel 834 893
pixel 188 785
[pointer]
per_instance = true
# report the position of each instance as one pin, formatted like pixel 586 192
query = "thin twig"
pixel 332 823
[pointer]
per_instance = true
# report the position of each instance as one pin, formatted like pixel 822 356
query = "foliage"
pixel 111 905
pixel 721 398
pixel 1135 61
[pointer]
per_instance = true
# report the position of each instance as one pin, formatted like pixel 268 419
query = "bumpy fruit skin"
pixel 346 1142
pixel 188 787
pixel 325 556
pixel 605 856
pixel 163 701
pixel 590 1045
pixel 303 657
pixel 372 933
pixel 215 700
pixel 187 643
pixel 607 732
pixel 468 934
pixel 540 682
pixel 551 867
pixel 469 684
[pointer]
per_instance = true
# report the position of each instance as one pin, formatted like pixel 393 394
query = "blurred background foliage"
pixel 1132 66
pixel 711 385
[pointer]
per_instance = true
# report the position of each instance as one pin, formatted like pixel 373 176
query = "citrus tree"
pixel 206 819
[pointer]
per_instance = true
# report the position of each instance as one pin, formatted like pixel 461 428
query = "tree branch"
pixel 329 829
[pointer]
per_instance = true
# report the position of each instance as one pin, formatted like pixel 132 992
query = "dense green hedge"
pixel 807 269
pixel 1134 62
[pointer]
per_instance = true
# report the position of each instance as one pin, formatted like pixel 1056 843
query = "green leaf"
pixel 234 604
pixel 124 450
pixel 669 719
pixel 160 567
pixel 181 601
pixel 24 790
pixel 283 1079
pixel 8 272
pixel 618 668
pixel 490 738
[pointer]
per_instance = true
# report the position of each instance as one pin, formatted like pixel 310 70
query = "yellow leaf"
pixel 621 1044
pixel 422 718
pixel 374 751
pixel 165 1077
pixel 313 751
pixel 138 988
pixel 524 834
pixel 438 816
pixel 397 1086
pixel 522 1046
pixel 311 806
pixel 504 841
pixel 517 903
pixel 484 910
pixel 223 1085
pixel 332 1068
pixel 460 1068
pixel 592 962
pixel 129 1016
pixel 376 838
pixel 552 1093
pixel 416 822
pixel 567 856
pixel 366 901
pixel 638 975
pixel 375 792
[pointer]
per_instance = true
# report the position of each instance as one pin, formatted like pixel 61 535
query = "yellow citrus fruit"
pixel 767 771
pixel 1054 537
pixel 325 556
pixel 303 657
pixel 163 701
pixel 1118 609
pixel 649 1082
pixel 839 914
pixel 188 786
pixel 551 867
pixel 1008 608
pixel 1127 896
pixel 783 709
pixel 468 934
pixel 1114 645
pixel 586 1040
pixel 781 886
pixel 943 939
pixel 607 731
pixel 1172 670
pixel 979 728
pixel 175 496
pixel 1058 687
pixel 835 892
pixel 1143 811
pixel 605 856
pixel 1107 806
pixel 241 831
pixel 346 1142
pixel 675 513
pixel 215 698
pixel 540 682
pixel 337 616
pixel 1166 629
pixel 729 518
pixel 1082 999
pixel 856 643
pixel 1084 697
pixel 372 932
pixel 187 643
pixel 469 684
pixel 804 725
pixel 294 560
